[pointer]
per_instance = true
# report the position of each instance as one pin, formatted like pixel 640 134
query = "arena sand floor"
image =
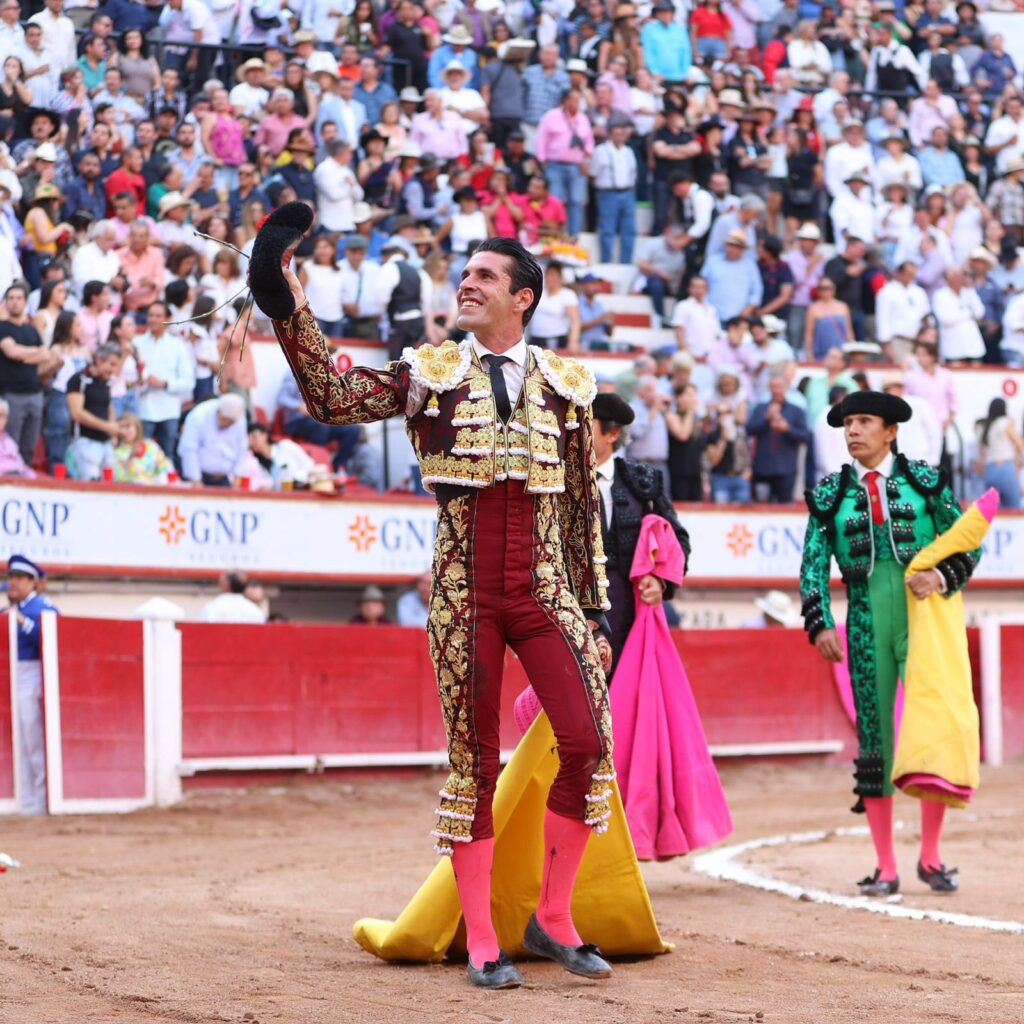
pixel 237 906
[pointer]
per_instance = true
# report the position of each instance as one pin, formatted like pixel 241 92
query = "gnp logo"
pixel 207 528
pixel 362 533
pixel 400 536
pixel 739 540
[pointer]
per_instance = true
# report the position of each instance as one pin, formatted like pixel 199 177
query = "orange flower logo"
pixel 739 540
pixel 362 533
pixel 172 525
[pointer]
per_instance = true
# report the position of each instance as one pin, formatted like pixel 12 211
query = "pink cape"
pixel 671 790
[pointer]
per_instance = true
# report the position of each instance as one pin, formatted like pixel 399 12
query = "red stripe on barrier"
pixel 101 708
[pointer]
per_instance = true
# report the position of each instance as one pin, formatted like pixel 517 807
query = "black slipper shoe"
pixel 940 879
pixel 281 230
pixel 875 886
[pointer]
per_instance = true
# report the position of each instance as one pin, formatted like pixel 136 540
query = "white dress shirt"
pixel 206 447
pixel 853 217
pixel 842 160
pixel 58 36
pixel 958 314
pixel 337 192
pixel 899 310
pixel 700 324
pixel 613 167
pixel 605 479
pixel 361 288
pixel 167 357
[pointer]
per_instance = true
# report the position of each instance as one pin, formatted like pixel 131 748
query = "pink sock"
pixel 879 812
pixel 565 839
pixel 932 814
pixel 472 863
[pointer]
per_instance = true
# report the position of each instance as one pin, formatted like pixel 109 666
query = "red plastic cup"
pixel 108 474
pixel 60 471
pixel 243 482
pixel 172 476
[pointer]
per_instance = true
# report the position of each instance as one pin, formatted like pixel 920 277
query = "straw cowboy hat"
pixel 779 606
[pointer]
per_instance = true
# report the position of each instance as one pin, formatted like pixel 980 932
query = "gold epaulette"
pixel 569 377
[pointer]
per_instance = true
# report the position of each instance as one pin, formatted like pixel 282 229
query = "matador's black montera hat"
pixel 870 403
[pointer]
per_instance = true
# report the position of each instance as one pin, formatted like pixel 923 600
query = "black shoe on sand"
pixel 940 879
pixel 500 973
pixel 875 886
pixel 585 960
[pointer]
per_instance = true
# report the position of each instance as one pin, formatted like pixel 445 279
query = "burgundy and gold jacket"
pixel 457 434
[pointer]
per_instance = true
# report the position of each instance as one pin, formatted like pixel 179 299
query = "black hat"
pixel 612 408
pixel 370 135
pixel 33 112
pixel 870 403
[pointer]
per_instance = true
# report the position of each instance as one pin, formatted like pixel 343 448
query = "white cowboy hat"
pixel 779 606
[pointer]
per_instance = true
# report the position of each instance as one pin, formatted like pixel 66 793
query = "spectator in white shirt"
pixel 900 308
pixel 171 226
pixel 1005 137
pixel 1011 347
pixel 337 190
pixel 168 379
pixel 809 59
pixel 464 101
pixel 250 96
pixel 58 33
pixel 958 309
pixel 614 170
pixel 412 607
pixel 214 444
pixel 894 216
pixel 852 214
pixel 96 260
pixel 231 604
pixel 898 165
pixel 361 304
pixel 696 321
pixel 851 156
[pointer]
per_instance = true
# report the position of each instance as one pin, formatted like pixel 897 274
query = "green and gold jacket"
pixel 921 506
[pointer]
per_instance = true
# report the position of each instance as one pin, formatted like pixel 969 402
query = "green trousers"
pixel 887 594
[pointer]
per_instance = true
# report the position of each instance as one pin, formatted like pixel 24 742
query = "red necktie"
pixel 871 479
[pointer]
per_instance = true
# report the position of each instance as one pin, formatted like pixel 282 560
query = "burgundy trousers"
pixel 500 580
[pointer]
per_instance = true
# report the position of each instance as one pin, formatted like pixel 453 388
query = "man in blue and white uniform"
pixel 23 579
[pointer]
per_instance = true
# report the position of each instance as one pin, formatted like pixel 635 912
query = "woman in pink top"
pixel 934 383
pixel 222 139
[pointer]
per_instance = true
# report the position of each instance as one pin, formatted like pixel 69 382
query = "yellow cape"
pixel 610 904
pixel 939 730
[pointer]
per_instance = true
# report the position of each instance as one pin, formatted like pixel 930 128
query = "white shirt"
pixel 551 317
pixel 884 471
pixel 842 160
pixel 899 310
pixel 906 170
pixel 169 359
pixel 389 278
pixel 91 263
pixel 999 131
pixel 58 37
pixel 853 216
pixel 461 101
pixel 892 221
pixel 360 287
pixel 337 192
pixel 958 314
pixel 207 448
pixel 830 451
pixel 231 608
pixel 249 99
pixel 700 324
pixel 180 26
pixel 1013 324
pixel 605 479
pixel 921 436
pixel 613 167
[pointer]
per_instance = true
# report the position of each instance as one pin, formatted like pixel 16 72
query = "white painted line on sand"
pixel 722 864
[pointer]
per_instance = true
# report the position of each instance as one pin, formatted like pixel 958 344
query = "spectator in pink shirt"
pixel 11 462
pixel 543 214
pixel 275 128
pixel 932 382
pixel 615 77
pixel 143 266
pixel 439 131
pixel 564 144
pixel 930 111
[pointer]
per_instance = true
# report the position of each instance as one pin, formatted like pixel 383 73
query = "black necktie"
pixel 494 365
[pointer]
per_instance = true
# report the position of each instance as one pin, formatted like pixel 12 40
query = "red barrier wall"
pixel 6 725
pixel 1012 657
pixel 761 686
pixel 291 689
pixel 101 708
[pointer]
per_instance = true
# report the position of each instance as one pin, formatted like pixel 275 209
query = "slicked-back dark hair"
pixel 523 269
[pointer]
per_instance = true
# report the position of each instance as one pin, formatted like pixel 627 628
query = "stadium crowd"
pixel 792 182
